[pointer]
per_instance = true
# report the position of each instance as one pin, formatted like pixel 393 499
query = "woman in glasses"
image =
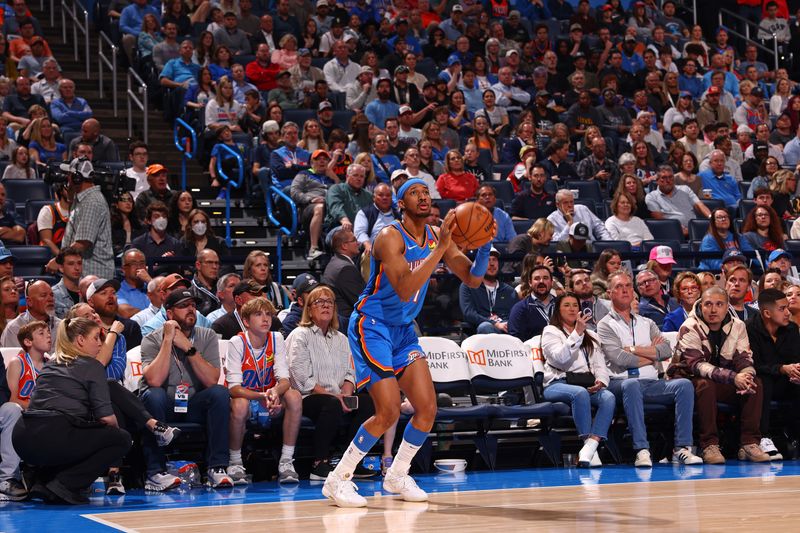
pixel 720 237
pixel 686 290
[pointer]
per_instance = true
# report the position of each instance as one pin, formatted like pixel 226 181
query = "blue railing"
pixel 282 230
pixel 229 182
pixel 180 144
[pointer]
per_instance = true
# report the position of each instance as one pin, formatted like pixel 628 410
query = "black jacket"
pixel 345 278
pixel 769 355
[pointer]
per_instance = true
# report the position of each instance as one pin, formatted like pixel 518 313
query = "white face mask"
pixel 199 228
pixel 160 224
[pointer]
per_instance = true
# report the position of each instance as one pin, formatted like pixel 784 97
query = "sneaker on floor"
pixel 286 472
pixel 405 486
pixel 643 459
pixel 314 253
pixel 342 491
pixel 320 471
pixel 752 453
pixel 161 481
pixel 595 462
pixel 712 455
pixel 587 453
pixel 218 478
pixel 686 457
pixel 114 486
pixel 12 490
pixel 386 462
pixel 768 447
pixel 237 474
pixel 362 472
pixel 165 434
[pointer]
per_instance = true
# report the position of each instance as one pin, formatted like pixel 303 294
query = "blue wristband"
pixel 481 262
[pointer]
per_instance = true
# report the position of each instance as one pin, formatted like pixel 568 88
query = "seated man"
pixel 41 306
pixel 256 371
pixel 488 307
pixel 774 340
pixel 714 352
pixel 103 148
pixel 575 243
pixel 487 197
pixel 308 191
pixel 530 316
pixel 180 381
pixel 101 295
pixel 580 284
pixel 231 36
pixel 69 111
pixel 229 325
pixel 534 202
pixel 65 292
pixel 156 242
pixel 372 219
pixel 16 106
pixel 302 285
pixel 206 271
pixel 654 303
pixel 48 86
pixel 567 213
pixel 342 274
pixel 132 294
pixel 723 186
pixel 633 346
pixel 225 286
pixel 167 286
pixel 158 180
pixel 154 299
pixel 12 227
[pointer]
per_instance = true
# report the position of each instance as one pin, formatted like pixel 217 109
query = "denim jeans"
pixel 635 392
pixel 487 327
pixel 210 407
pixel 581 401
pixel 10 412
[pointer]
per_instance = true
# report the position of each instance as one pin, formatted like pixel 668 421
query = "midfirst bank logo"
pixel 496 357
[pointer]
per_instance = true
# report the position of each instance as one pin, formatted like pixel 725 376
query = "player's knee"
pixel 425 415
pixel 387 414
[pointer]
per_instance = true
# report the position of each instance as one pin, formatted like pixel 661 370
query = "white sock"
pixel 235 457
pixel 349 461
pixel 402 461
pixel 287 453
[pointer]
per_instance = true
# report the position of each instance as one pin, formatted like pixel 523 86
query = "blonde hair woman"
pixel 313 138
pixel 256 267
pixel 365 161
pixel 223 110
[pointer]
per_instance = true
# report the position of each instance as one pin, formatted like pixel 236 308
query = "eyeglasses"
pixel 690 288
pixel 322 302
pixel 210 262
pixel 721 217
pixel 648 281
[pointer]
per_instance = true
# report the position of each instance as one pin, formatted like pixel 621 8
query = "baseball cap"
pixel 365 70
pixel 401 69
pixel 685 94
pixel 155 169
pixel 284 73
pixel 248 285
pixel 760 145
pixel 495 252
pixel 732 254
pixel 662 255
pixel 543 93
pixel 404 109
pixel 304 52
pixel 320 152
pixel 384 79
pixel 304 283
pixel 100 284
pixel 524 149
pixel 453 59
pixel 398 173
pixel 514 14
pixel 401 21
pixel 579 230
pixel 630 39
pixel 756 91
pixel 324 105
pixel 512 51
pixel 457 7
pixel 322 3
pixel 5 254
pixel 607 7
pixel 578 55
pixel 429 83
pixel 179 297
pixel 576 26
pixel 777 254
pixel 713 90
pixel 172 280
pixel 270 126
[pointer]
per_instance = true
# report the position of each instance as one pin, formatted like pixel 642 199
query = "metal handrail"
pixel 76 25
pixel 102 59
pixel 180 144
pixel 746 36
pixel 289 232
pixel 236 184
pixel 141 104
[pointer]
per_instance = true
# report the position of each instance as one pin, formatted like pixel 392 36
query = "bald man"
pixel 103 148
pixel 41 306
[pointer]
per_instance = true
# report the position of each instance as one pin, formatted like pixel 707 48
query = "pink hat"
pixel 662 255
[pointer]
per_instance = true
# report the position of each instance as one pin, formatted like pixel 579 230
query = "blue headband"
pixel 401 192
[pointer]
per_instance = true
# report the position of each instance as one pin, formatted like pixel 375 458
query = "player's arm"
pixel 389 250
pixel 13 373
pixel 471 273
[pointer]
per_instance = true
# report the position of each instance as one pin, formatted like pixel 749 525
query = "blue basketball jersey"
pixel 379 299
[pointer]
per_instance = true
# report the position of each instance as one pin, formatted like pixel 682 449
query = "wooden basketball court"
pixel 739 504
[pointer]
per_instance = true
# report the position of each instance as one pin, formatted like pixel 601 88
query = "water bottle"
pixel 259 416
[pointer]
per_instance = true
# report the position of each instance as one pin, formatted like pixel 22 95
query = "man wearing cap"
pixel 336 33
pixel 284 94
pixel 343 275
pixel 322 16
pixel 486 308
pixel 653 302
pixel 168 285
pixel 157 178
pixel 308 191
pixel 290 318
pixel 632 62
pixel 752 112
pixel 576 242
pixel 180 376
pixel 361 91
pixel 304 71
pixel 567 213
pixel 407 132
pixel 41 306
pixel 156 242
pixel 101 296
pixel 379 110
pixel 230 324
pixel 340 71
pixel 782 260
pixel 455 26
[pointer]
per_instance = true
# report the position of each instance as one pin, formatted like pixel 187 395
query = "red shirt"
pixel 264 78
pixel 458 187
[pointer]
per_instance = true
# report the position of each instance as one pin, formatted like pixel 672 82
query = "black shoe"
pixel 12 490
pixel 68 495
pixel 320 471
pixel 41 492
pixel 362 472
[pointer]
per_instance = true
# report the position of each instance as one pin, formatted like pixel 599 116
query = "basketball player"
pixel 386 352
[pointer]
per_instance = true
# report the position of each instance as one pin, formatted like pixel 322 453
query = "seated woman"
pixel 125 225
pixel 634 187
pixel 9 301
pixel 623 225
pixel 720 237
pixel 686 289
pixel 71 400
pixel 180 206
pixel 198 235
pixel 455 183
pixel 609 262
pixel 221 65
pixel 575 373
pixel 256 267
pixel 321 369
pixel 783 186
pixel 768 167
pixel 20 167
pixel 44 148
pixel 763 229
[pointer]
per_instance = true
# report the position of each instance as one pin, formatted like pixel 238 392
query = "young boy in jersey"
pixel 256 370
pixel 21 374
pixel 386 352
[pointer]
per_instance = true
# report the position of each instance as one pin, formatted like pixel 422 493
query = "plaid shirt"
pixel 89 220
pixel 589 167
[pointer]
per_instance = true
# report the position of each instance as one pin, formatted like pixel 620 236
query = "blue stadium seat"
pixel 586 190
pixel 298 116
pixel 745 206
pixel 23 190
pixel 427 67
pixel 341 119
pixel 32 208
pixel 698 227
pixel 522 226
pixel 665 230
pixel 620 246
pixel 30 260
pixel 713 203
pixel 503 189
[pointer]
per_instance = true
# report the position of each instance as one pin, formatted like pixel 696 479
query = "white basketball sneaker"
pixel 342 491
pixel 405 486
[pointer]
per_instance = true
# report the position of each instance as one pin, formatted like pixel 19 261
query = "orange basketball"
pixel 474 226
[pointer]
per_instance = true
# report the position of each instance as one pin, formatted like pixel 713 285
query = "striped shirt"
pixel 319 359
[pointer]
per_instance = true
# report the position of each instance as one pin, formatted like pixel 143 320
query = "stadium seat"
pixel 445 206
pixel 698 227
pixel 665 230
pixel 32 208
pixel 586 190
pixel 745 206
pixel 23 190
pixel 522 226
pixel 504 191
pixel 298 116
pixel 713 203
pixel 30 260
pixel 620 246
pixel 341 119
pixel 792 245
pixel 427 67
